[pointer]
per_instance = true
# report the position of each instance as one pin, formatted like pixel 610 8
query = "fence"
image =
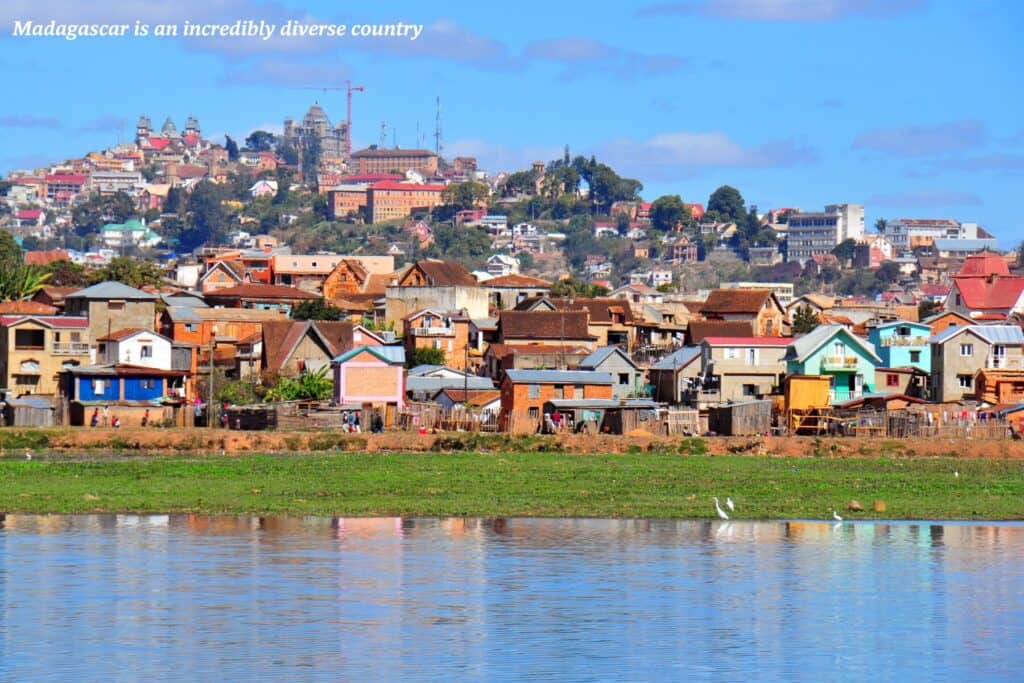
pixel 431 416
pixel 901 424
pixel 684 423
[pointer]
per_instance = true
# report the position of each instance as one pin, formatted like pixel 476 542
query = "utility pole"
pixel 437 129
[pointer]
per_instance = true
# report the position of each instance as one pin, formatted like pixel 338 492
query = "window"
pixel 915 356
pixel 191 327
pixel 892 380
pixel 437 343
pixel 147 383
pixel 751 356
pixel 146 351
pixel 25 380
pixel 577 391
pixel 115 305
pixel 623 378
pixel 965 381
pixel 967 349
pixel 534 413
pixel 731 353
pixel 99 386
pixel 750 390
pixel 559 391
pixel 29 339
pixel 533 391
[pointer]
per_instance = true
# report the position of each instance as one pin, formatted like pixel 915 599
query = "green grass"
pixel 654 484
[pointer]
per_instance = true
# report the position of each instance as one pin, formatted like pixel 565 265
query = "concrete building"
pixel 34 349
pixel 815 234
pixel 135 347
pixel 389 200
pixel 316 126
pixel 908 233
pixel 959 352
pixel 111 306
pixel 375 160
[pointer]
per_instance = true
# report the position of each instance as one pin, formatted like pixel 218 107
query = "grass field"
pixel 518 484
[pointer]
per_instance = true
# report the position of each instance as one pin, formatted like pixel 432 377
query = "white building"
pixel 814 234
pixel 500 264
pixel 111 182
pixel 908 233
pixel 136 347
pixel 132 232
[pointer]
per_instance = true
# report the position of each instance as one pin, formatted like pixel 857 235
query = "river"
pixel 181 597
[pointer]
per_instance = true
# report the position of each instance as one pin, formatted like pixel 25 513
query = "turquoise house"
pixel 835 352
pixel 902 344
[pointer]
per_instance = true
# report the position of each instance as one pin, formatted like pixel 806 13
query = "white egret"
pixel 28 454
pixel 721 512
pixel 729 504
pixel 956 473
pixel 835 516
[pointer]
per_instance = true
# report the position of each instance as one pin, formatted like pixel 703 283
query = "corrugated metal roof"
pixel 388 354
pixel 559 377
pixel 600 355
pixel 432 385
pixel 111 290
pixel 809 343
pixel 993 334
pixel 183 314
pixel 950 244
pixel 645 403
pixel 678 359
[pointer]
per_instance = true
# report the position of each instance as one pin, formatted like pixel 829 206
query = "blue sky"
pixel 911 107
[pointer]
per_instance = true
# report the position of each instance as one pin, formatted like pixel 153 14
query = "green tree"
pixel 130 271
pixel 231 147
pixel 317 309
pixel 207 221
pixel 64 273
pixel 10 252
pixel 289 154
pixel 526 261
pixel 844 251
pixel 311 153
pixel 728 203
pixel 804 319
pixel 462 196
pixel 19 281
pixel 668 212
pixel 260 141
pixel 175 201
pixel 520 182
pixel 571 287
pixel 881 224
pixel 308 386
pixel 927 308
pixel 467 245
pixel 91 215
pixel 426 356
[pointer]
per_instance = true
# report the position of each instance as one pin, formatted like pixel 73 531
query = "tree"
pixel 927 308
pixel 175 201
pixel 91 215
pixel 844 251
pixel 520 182
pixel 468 245
pixel 727 202
pixel 19 281
pixel 10 252
pixel 64 273
pixel 309 386
pixel 231 147
pixel 317 309
pixel 571 287
pixel 881 224
pixel 260 141
pixel 289 154
pixel 130 271
pixel 426 356
pixel 526 261
pixel 668 212
pixel 462 196
pixel 311 152
pixel 804 319
pixel 207 220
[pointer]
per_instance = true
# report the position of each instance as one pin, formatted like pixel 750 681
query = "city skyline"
pixel 788 101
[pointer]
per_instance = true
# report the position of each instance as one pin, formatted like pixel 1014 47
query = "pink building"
pixel 371 377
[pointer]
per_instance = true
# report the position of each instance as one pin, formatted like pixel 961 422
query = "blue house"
pixel 903 344
pixel 132 391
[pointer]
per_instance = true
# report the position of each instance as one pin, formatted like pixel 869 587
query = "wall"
pixel 135 391
pixel 111 389
pixel 103 319
pixel 402 301
pixel 515 397
pixel 130 351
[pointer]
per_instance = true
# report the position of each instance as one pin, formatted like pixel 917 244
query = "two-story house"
pixel 524 392
pixel 34 349
pixel 835 352
pixel 446 331
pixel 901 343
pixel 110 306
pixel 758 306
pixel 959 353
pixel 629 378
pixel 739 369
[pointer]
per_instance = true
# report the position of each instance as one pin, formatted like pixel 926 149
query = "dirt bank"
pixel 206 441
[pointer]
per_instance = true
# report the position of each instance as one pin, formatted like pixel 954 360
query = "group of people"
pixel 351 422
pixel 113 420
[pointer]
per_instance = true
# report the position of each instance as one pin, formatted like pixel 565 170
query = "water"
pixel 188 598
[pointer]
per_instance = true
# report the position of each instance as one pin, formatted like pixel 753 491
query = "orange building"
pixel 388 200
pixel 448 332
pixel 219 328
pixel 524 393
pixel 346 200
pixel 373 160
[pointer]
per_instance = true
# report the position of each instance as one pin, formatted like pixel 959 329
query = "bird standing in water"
pixel 729 504
pixel 721 512
pixel 835 516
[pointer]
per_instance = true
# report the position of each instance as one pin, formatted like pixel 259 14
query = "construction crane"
pixel 349 89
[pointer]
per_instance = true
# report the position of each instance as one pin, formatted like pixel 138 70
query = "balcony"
pixel 896 340
pixel 844 395
pixel 432 331
pixel 839 364
pixel 70 349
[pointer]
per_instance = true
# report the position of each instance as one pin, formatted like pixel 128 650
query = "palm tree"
pixel 18 281
pixel 880 224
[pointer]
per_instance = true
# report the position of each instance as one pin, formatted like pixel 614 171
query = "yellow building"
pixel 35 348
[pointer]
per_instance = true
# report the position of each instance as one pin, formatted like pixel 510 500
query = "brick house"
pixel 760 306
pixel 443 330
pixel 524 392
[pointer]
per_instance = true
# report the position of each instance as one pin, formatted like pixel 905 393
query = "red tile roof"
pixel 980 293
pixel 261 292
pixel 980 265
pixel 735 301
pixel 29 214
pixel 26 308
pixel 568 325
pixel 48 320
pixel 121 335
pixel 45 258
pixel 67 178
pixel 393 185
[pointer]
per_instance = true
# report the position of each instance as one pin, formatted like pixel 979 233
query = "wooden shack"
pixel 606 416
pixel 741 419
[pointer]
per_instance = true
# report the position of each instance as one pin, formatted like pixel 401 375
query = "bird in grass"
pixel 719 510
pixel 729 504
pixel 956 473
pixel 835 516
pixel 28 454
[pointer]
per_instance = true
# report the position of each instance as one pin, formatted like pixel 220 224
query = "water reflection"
pixel 193 597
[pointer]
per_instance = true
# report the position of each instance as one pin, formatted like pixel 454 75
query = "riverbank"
pixel 656 483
